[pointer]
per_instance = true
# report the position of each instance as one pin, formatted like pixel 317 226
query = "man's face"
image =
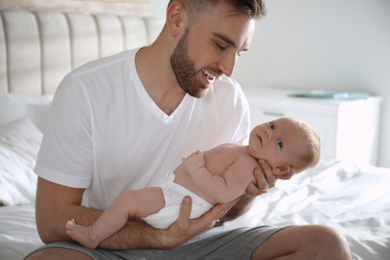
pixel 209 48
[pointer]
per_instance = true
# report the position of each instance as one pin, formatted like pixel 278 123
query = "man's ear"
pixel 175 17
pixel 284 172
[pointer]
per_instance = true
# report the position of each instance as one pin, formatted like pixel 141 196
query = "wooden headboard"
pixel 37 49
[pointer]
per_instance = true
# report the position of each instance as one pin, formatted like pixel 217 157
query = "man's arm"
pixel 56 204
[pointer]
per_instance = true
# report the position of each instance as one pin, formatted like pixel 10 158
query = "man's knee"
pixel 304 242
pixel 329 241
pixel 326 234
pixel 58 254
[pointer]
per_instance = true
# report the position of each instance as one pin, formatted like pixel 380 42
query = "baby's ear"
pixel 284 172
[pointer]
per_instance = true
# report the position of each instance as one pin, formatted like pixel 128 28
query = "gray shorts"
pixel 219 242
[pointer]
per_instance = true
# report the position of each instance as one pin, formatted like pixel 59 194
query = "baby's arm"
pixel 228 186
pixel 194 162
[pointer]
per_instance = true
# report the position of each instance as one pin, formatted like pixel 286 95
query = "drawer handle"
pixel 267 113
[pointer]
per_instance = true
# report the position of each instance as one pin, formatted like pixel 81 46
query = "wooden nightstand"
pixel 348 128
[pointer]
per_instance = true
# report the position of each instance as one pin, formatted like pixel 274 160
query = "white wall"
pixel 158 7
pixel 332 44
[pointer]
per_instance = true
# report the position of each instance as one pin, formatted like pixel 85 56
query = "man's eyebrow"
pixel 225 39
pixel 228 41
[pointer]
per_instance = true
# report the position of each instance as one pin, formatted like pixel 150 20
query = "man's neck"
pixel 158 79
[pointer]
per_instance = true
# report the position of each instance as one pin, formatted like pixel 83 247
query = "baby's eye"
pixel 272 126
pixel 280 143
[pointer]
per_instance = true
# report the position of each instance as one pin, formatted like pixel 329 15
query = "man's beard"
pixel 184 69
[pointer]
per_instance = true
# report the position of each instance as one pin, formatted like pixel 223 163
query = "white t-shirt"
pixel 107 135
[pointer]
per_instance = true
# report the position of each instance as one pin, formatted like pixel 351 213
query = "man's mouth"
pixel 209 76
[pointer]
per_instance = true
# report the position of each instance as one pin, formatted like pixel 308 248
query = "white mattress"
pixel 355 200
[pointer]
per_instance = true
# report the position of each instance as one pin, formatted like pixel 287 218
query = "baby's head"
pixel 289 145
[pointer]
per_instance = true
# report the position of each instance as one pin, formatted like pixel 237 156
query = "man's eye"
pixel 222 48
pixel 272 126
pixel 280 143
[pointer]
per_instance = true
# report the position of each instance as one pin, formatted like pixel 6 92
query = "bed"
pixel 38 49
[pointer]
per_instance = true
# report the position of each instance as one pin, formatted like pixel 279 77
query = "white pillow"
pixel 16 106
pixel 19 144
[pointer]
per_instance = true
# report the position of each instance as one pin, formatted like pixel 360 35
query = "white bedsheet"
pixel 355 200
pixel 18 234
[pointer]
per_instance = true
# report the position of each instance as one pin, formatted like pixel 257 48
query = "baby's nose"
pixel 268 134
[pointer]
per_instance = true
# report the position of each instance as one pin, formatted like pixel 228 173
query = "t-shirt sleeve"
pixel 66 155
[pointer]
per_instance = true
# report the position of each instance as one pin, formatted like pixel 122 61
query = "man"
pixel 123 122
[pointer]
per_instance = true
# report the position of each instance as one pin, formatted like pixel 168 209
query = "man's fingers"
pixel 268 174
pixel 185 211
pixel 252 189
pixel 205 222
pixel 265 179
pixel 262 185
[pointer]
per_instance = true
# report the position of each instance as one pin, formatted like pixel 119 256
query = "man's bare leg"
pixel 304 242
pixel 58 254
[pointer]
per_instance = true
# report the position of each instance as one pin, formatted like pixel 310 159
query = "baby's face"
pixel 278 141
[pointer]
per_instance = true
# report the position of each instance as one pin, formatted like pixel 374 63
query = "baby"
pixel 219 175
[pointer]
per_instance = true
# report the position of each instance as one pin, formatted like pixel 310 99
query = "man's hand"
pixel 184 229
pixel 265 179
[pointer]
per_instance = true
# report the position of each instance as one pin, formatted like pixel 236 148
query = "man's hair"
pixel 252 8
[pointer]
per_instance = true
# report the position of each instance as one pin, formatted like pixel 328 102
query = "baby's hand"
pixel 194 161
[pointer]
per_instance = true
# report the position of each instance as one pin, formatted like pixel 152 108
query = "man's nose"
pixel 227 64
